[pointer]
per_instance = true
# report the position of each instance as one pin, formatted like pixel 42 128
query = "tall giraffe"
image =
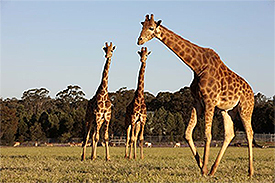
pixel 135 118
pixel 99 110
pixel 214 85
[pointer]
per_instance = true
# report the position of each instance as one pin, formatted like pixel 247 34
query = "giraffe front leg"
pixel 141 137
pixel 106 135
pixel 94 144
pixel 188 136
pixel 135 140
pixel 95 140
pixel 209 112
pixel 127 141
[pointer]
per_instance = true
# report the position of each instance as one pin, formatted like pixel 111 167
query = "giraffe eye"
pixel 151 28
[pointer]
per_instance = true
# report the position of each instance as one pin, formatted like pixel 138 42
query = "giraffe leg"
pixel 127 141
pixel 141 137
pixel 246 119
pixel 229 135
pixel 95 140
pixel 209 112
pixel 106 135
pixel 188 136
pixel 132 140
pixel 85 140
pixel 135 140
pixel 93 145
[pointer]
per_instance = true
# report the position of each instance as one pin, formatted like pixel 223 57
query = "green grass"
pixel 62 164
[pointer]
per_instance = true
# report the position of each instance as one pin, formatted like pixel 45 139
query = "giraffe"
pixel 214 85
pixel 135 118
pixel 99 110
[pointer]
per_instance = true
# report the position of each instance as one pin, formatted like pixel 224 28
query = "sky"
pixel 54 44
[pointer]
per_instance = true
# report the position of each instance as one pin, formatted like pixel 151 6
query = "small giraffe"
pixel 214 85
pixel 135 118
pixel 99 110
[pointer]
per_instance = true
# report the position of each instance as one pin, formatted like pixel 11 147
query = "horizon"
pixel 55 44
pixel 128 89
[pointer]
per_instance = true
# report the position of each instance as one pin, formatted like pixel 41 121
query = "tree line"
pixel 37 116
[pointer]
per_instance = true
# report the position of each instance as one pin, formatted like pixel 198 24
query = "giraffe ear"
pixel 142 23
pixel 139 53
pixel 104 48
pixel 114 48
pixel 149 53
pixel 159 22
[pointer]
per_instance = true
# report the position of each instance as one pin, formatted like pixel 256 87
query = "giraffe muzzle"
pixel 140 41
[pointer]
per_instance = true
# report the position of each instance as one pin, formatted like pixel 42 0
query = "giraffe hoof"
pixel 250 173
pixel 211 174
pixel 204 171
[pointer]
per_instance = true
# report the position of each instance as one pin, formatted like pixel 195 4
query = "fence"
pixel 240 137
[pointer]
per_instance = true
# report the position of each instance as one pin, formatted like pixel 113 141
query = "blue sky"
pixel 53 44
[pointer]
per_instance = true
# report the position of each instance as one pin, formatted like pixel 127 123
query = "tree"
pixel 159 121
pixel 170 125
pixel 36 132
pixel 66 124
pixel 180 126
pixel 45 123
pixel 37 116
pixel 22 132
pixel 35 100
pixel 9 123
pixel 78 117
pixel 71 94
pixel 263 115
pixel 120 99
pixel 149 126
pixel 53 132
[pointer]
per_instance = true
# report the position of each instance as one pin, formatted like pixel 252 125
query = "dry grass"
pixel 62 164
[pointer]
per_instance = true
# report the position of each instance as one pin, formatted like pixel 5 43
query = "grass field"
pixel 62 164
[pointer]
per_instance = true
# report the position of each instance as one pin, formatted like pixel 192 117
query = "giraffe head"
pixel 143 53
pixel 109 50
pixel 150 29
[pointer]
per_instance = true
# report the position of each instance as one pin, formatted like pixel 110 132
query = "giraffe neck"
pixel 191 54
pixel 140 86
pixel 103 88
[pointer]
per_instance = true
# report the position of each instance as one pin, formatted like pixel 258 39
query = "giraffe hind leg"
pixel 246 115
pixel 209 113
pixel 229 135
pixel 85 140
